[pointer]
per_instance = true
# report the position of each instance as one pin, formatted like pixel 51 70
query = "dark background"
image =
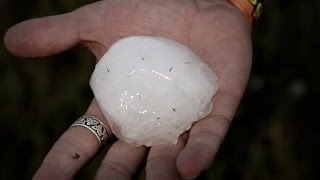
pixel 274 134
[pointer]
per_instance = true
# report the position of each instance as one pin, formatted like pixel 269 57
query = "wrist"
pixel 251 9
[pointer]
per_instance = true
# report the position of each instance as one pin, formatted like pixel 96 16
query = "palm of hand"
pixel 213 30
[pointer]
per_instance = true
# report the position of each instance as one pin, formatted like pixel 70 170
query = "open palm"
pixel 214 30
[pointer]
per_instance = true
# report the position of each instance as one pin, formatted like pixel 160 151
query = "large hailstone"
pixel 152 89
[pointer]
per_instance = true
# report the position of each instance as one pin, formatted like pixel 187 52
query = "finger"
pixel 206 136
pixel 52 34
pixel 122 161
pixel 42 36
pixel 161 163
pixel 72 150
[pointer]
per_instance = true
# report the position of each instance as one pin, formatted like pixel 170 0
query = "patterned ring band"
pixel 95 126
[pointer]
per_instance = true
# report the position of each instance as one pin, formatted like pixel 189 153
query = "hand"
pixel 215 30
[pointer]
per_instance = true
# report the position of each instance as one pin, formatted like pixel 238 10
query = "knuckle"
pixel 213 127
pixel 116 168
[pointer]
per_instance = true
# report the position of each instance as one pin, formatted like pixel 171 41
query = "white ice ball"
pixel 152 89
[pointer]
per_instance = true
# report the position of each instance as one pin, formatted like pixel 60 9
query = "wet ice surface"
pixel 152 89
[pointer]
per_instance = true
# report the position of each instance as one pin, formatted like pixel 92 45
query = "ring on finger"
pixel 96 127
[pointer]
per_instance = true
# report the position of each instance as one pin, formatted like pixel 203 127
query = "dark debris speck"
pixel 76 156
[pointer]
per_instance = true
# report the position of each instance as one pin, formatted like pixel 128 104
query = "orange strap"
pixel 251 9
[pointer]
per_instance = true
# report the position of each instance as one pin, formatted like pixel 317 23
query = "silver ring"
pixel 95 126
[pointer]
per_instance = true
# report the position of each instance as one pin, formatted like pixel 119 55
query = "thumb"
pixel 42 36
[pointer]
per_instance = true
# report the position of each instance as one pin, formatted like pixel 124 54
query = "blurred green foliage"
pixel 274 134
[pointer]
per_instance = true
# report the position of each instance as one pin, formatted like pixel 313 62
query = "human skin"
pixel 214 29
